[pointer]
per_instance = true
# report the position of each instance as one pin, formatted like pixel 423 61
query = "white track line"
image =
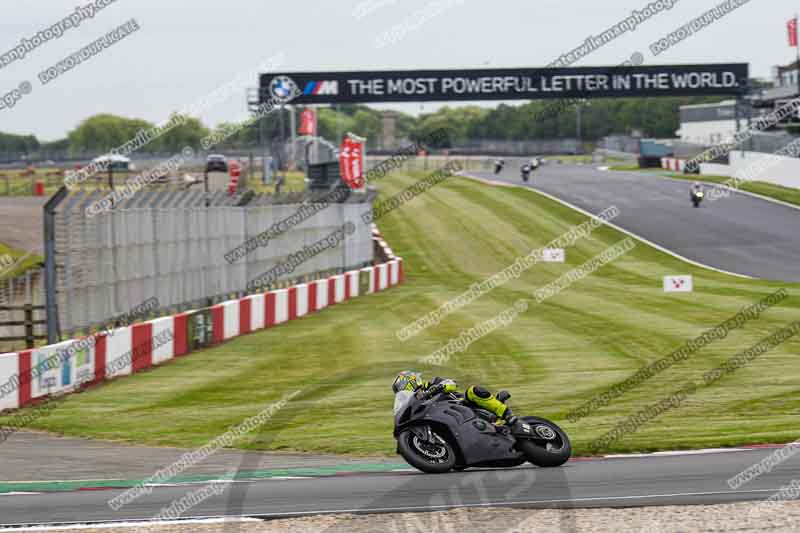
pixel 131 524
pixel 675 453
pixel 611 224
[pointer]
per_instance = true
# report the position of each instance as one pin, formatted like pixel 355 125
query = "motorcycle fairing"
pixel 479 441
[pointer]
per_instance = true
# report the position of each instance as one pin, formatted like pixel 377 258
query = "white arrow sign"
pixel 678 284
pixel 553 255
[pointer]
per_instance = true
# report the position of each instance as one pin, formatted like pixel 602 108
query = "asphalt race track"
pixel 741 234
pixel 693 478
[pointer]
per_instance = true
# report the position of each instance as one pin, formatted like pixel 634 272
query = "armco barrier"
pixel 30 375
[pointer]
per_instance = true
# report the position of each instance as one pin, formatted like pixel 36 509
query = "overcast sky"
pixel 185 49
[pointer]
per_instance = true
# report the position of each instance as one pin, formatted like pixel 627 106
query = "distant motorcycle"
pixel 437 432
pixel 498 166
pixel 697 197
pixel 525 171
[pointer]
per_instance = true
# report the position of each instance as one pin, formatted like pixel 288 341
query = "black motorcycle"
pixel 697 197
pixel 437 432
pixel 498 167
pixel 525 171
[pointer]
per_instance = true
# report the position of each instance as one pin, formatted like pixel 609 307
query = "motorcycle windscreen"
pixel 401 399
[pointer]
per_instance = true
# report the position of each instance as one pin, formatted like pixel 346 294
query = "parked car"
pixel 116 163
pixel 216 163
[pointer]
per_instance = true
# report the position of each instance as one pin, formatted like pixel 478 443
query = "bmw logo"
pixel 282 88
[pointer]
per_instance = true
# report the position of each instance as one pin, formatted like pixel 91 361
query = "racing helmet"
pixel 407 380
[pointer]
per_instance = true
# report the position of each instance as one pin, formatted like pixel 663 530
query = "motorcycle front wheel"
pixel 551 447
pixel 435 457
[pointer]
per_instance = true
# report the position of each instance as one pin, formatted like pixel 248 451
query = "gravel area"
pixel 739 517
pixel 21 220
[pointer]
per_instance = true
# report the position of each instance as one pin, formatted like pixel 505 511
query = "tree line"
pixel 653 117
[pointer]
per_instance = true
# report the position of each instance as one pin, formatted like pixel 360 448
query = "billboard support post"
pixel 51 302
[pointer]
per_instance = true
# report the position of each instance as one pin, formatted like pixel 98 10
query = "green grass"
pixel 558 354
pixel 20 266
pixel 785 194
pixel 295 181
pixel 12 183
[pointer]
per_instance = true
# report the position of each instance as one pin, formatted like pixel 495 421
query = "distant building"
pixel 785 81
pixel 709 124
pixel 786 77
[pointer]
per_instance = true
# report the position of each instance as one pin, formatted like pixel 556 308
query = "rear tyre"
pixel 551 448
pixel 431 458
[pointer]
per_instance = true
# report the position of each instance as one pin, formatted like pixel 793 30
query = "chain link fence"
pixel 171 245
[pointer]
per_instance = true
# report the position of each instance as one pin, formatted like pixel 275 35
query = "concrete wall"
pixel 749 166
pixel 766 167
pixel 713 169
pixel 757 166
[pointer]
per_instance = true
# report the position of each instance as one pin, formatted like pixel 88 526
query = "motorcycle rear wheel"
pixel 546 452
pixel 431 459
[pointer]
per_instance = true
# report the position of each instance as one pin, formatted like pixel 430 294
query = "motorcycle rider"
pixel 476 395
pixel 696 188
pixel 498 165
pixel 526 171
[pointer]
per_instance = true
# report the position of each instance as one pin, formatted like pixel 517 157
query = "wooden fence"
pixel 22 310
pixel 28 323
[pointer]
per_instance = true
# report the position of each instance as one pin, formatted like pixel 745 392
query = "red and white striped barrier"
pixel 670 163
pixel 377 237
pixel 67 366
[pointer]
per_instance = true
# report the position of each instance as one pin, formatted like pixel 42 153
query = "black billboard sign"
pixel 504 84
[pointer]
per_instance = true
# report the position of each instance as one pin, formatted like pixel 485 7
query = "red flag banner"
pixel 308 122
pixel 792 27
pixel 344 161
pixel 357 162
pixel 351 163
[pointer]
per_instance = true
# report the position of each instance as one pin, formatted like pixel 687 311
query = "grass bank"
pixel 553 357
pixel 14 262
